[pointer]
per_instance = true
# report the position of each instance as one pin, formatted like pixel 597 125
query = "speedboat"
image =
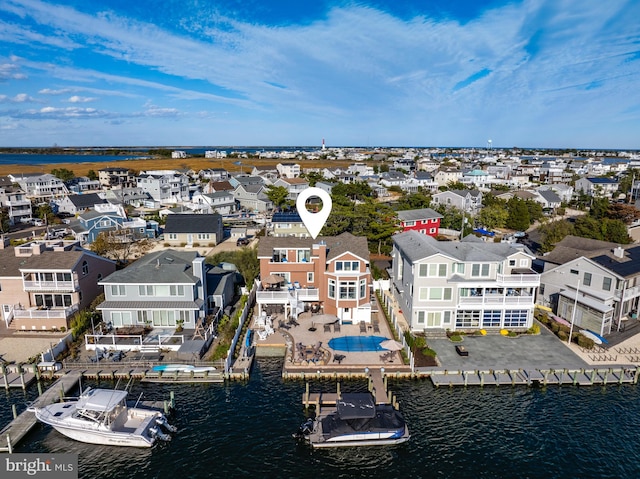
pixel 182 368
pixel 101 416
pixel 355 421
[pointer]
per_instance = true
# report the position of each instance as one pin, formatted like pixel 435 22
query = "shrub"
pixel 555 327
pixel 562 335
pixel 534 329
pixel 428 352
pixel 183 244
pixel 512 334
pixel 585 342
pixel 420 342
pixel 166 245
pixel 196 245
pixel 456 338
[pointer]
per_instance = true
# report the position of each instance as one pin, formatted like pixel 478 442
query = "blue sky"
pixel 530 73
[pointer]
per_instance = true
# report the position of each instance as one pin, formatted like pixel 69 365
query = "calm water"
pixel 36 159
pixel 244 430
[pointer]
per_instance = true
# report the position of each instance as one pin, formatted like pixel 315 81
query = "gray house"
pixel 191 229
pixel 162 289
pixel 467 285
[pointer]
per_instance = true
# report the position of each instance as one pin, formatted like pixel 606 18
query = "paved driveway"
pixel 544 351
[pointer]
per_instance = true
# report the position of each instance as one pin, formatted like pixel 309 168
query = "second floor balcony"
pixel 285 296
pixel 50 282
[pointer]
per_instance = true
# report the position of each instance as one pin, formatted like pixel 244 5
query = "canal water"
pixel 244 430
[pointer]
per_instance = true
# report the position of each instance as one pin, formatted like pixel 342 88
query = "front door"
pixel 189 239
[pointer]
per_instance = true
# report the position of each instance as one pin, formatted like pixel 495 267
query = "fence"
pixel 387 301
pixel 243 317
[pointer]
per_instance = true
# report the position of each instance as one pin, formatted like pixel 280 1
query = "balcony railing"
pixel 497 300
pixel 54 313
pixel 629 293
pixel 302 294
pixel 50 285
pixel 518 279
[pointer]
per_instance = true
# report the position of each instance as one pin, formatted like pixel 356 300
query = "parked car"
pixel 242 242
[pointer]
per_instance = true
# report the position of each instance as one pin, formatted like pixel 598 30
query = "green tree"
pixel 358 190
pixel 599 207
pixel 535 210
pixel 4 219
pixel 245 259
pixel 413 201
pixel 45 212
pixel 278 195
pixel 518 217
pixel 92 175
pixel 553 232
pixel 493 216
pixel 313 177
pixel 63 174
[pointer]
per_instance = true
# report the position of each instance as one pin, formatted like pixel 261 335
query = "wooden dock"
pixel 21 425
pixel 537 377
pixel 15 376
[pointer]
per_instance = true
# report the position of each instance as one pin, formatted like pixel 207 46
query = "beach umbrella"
pixel 391 345
pixel 273 279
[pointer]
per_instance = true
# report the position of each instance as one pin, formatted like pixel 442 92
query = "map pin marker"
pixel 314 221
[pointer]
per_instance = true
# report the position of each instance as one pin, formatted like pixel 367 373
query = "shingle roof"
pixel 87 200
pixel 150 304
pixel 550 196
pixel 572 247
pixel 421 214
pixel 10 264
pixel 627 266
pixel 160 267
pixel 336 245
pixel 222 186
pixel 416 246
pixel 192 223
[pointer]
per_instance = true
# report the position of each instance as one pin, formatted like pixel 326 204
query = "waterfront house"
pixel 44 283
pixel 329 273
pixel 288 170
pixel 165 187
pixel 222 202
pixel 82 184
pixel 214 174
pixel 294 186
pixel 40 186
pixel 425 221
pixel 193 229
pixel 114 177
pixel 467 285
pixel 161 290
pixel 604 286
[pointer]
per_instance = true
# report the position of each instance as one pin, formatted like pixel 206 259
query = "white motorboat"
pixel 355 421
pixel 101 416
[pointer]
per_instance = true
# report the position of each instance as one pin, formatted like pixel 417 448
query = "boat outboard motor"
pixel 162 421
pixel 306 428
pixel 155 432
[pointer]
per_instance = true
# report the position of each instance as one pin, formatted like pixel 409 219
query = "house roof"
pixel 416 246
pixel 192 223
pixel 336 245
pixel 550 196
pixel 603 181
pixel 421 214
pixel 147 305
pixel 87 200
pixel 572 247
pixel 160 267
pixel 294 181
pixel 288 217
pixel 629 265
pixel 11 265
pixel 221 186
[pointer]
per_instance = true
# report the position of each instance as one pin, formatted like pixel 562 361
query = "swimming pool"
pixel 357 343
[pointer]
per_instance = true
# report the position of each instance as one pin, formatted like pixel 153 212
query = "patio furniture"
pixel 462 351
pixel 327 328
pixel 336 327
pixel 281 325
pixel 376 328
pixel 363 327
pixel 338 358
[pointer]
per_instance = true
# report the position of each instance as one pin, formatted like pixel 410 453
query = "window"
pixel 524 262
pixel 420 317
pixel 203 236
pixel 438 294
pixel 145 290
pixel 480 269
pixel 515 318
pixel 279 255
pixel 606 284
pixel 409 223
pixel 433 270
pixel 587 279
pixel 541 289
pixel 491 318
pixel 347 290
pixel 332 288
pixel 176 290
pixel 63 276
pixel 310 277
pixel 432 231
pixel 286 276
pixel 363 288
pixel 512 262
pixel 574 271
pixel 173 236
pixel 423 294
pixel 433 319
pixel 447 317
pixel 85 268
pixel 118 290
pixel 468 319
pixel 347 266
pixel 458 268
pixel 303 255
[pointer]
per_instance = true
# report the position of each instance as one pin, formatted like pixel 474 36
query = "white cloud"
pixel 9 71
pixel 80 99
pixel 19 98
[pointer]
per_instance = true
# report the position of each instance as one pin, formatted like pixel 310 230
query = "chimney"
pixel 199 271
pixel 618 252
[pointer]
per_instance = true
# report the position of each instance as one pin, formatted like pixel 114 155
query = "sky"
pixel 529 73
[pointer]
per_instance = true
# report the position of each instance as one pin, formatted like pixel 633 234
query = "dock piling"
pixel 9 446
pixel 14 411
pixel 4 375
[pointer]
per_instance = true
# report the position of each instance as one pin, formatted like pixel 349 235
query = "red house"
pixel 425 221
